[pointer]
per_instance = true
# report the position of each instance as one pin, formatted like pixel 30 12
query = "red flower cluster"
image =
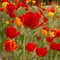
pixel 23 4
pixel 41 51
pixel 30 47
pixel 10 45
pixel 11 32
pixel 10 7
pixel 31 19
pixel 10 10
pixel 55 46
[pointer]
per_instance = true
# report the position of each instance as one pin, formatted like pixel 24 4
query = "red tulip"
pixel 10 45
pixel 56 32
pixel 58 47
pixel 12 15
pixel 31 20
pixel 10 7
pixel 49 39
pixel 30 46
pixel 53 46
pixel 10 10
pixel 52 9
pixel 11 32
pixel 45 19
pixel 41 51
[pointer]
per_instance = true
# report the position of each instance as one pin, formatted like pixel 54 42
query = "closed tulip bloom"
pixel 45 19
pixel 30 46
pixel 53 46
pixel 41 51
pixel 49 39
pixel 11 32
pixel 10 45
pixel 10 7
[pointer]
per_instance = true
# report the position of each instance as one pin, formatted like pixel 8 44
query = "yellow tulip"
pixel 52 34
pixel 18 22
pixel 50 14
pixel 4 4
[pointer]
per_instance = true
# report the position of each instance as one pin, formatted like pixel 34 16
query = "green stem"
pixel 24 46
pixel 6 56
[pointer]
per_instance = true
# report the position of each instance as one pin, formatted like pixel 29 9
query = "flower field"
pixel 29 30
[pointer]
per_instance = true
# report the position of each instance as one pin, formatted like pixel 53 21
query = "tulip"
pixel 18 22
pixel 30 47
pixel 10 45
pixel 11 32
pixel 50 14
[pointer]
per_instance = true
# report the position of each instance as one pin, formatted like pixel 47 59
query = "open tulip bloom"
pixel 29 30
